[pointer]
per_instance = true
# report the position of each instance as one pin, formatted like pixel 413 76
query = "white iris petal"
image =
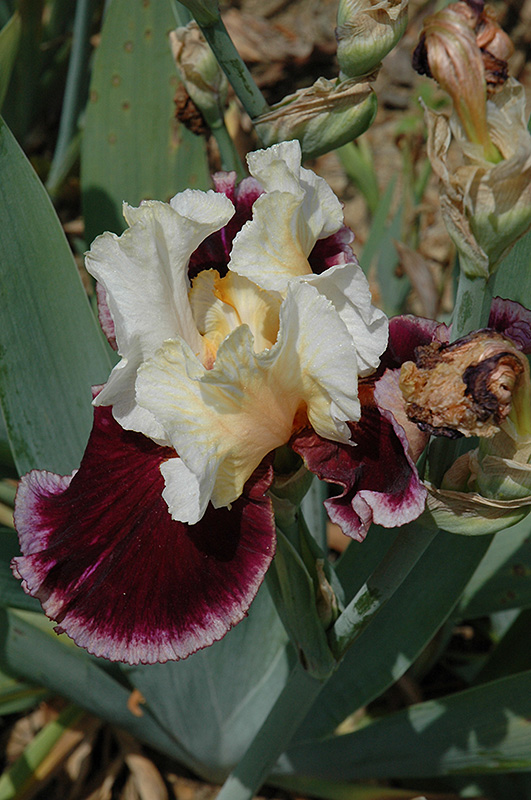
pixel 224 371
pixel 144 272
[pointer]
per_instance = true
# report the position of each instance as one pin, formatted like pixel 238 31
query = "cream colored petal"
pixel 185 493
pixel 144 272
pixel 214 318
pixel 269 249
pixel 223 421
pixel 219 305
pixel 279 170
pixel 315 358
pixel 297 209
pixel 348 290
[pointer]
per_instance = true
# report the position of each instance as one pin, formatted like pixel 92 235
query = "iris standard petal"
pixel 297 209
pixel 145 276
pixel 107 562
pixel 347 288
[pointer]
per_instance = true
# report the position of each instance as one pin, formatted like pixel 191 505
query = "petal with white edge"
pixel 125 581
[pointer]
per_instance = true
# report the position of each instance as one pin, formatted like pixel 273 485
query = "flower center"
pixel 220 305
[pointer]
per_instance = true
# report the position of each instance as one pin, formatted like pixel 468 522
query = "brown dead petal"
pixel 78 764
pixel 58 755
pixel 416 268
pixel 26 728
pixel 463 388
pixel 147 779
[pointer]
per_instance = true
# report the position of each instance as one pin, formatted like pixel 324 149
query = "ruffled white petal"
pixel 185 496
pixel 348 290
pixel 297 209
pixel 222 422
pixel 144 272
pixel 315 356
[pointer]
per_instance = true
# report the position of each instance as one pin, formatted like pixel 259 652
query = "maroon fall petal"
pixel 379 480
pixel 332 250
pixel 513 320
pixel 124 580
pixel 408 332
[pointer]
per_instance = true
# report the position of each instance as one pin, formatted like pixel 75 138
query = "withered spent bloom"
pixel 463 388
pixel 494 44
pixel 466 51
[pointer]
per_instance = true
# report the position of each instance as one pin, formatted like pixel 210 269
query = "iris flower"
pixel 244 324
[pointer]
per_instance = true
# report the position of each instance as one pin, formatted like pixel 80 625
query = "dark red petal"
pixel 408 332
pixel 104 557
pixel 332 250
pixel 513 320
pixel 380 482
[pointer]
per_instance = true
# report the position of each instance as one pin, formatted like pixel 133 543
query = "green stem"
pixel 408 547
pixel 291 707
pixel 472 305
pixel 74 91
pixel 230 160
pixel 232 65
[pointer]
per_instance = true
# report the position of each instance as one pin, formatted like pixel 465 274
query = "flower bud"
pixel 366 31
pixel 200 72
pixel 486 206
pixel 322 117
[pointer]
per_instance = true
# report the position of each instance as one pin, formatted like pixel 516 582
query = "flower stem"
pixel 232 65
pixel 75 91
pixel 230 160
pixel 292 705
pixel 398 562
pixel 472 305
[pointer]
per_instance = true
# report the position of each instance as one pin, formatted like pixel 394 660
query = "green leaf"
pixel 388 647
pixel 358 163
pixel 9 41
pixel 17 696
pixel 220 696
pixel 133 148
pixel 11 591
pixel 51 349
pixel 293 593
pixel 24 96
pixel 341 790
pixel 484 729
pixel 503 578
pixel 513 277
pixel 42 658
pixel 512 653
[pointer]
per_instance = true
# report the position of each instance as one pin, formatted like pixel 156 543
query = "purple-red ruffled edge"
pixel 378 477
pixel 124 580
